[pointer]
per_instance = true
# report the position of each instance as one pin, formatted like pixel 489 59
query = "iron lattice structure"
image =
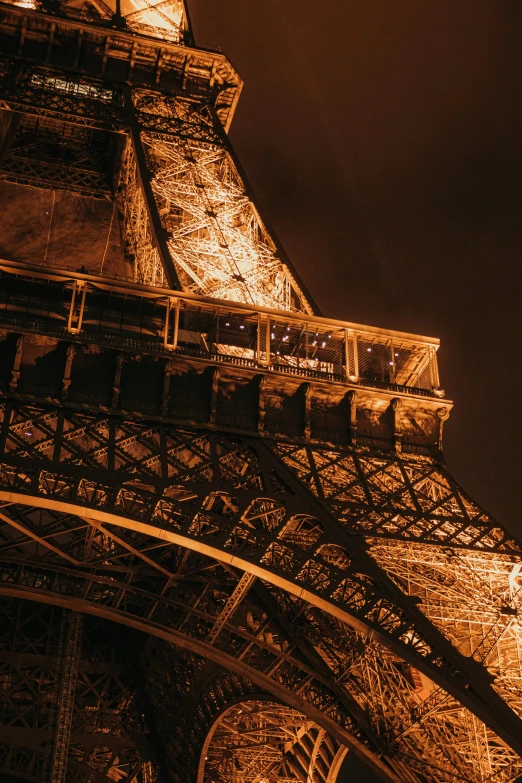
pixel 230 549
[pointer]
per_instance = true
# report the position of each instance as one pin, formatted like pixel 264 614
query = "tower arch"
pixel 191 454
pixel 260 739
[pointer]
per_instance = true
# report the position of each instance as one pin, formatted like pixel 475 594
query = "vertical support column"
pixel 434 369
pixel 352 399
pixel 77 306
pixel 267 327
pixel 158 232
pixel 443 415
pixel 396 405
pixel 351 359
pixel 258 338
pixel 69 648
pixel 170 336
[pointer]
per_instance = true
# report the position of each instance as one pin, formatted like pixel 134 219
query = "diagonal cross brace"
pixel 237 595
pixel 475 692
pixel 158 232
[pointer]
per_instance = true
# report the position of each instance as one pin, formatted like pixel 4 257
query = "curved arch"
pixel 242 563
pixel 286 743
pixel 205 650
pixel 393 722
pixel 353 599
pixel 337 764
pixel 216 718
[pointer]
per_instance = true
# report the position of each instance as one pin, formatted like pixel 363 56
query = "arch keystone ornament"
pixel 230 549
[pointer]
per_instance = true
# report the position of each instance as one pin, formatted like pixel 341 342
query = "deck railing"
pixel 138 318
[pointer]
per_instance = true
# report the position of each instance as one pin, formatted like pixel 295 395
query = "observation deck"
pixel 105 50
pixel 151 191
pixel 114 345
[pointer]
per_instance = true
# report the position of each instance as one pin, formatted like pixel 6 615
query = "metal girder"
pixel 298 598
pixel 235 500
pixel 42 710
pixel 219 244
pixel 314 698
pixel 361 668
pixel 144 177
pixel 204 698
pixel 242 588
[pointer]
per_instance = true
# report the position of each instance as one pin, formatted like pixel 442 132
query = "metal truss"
pixel 63 698
pixel 45 154
pixel 213 593
pixel 201 705
pixel 392 702
pixel 181 615
pixel 173 115
pixel 187 216
pixel 260 740
pixel 54 75
pixel 256 659
pixel 136 229
pixel 238 503
pixel 218 242
pixel 105 737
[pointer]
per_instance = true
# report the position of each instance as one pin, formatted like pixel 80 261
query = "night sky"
pixel 383 140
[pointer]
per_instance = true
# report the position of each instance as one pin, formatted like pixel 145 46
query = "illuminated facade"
pixel 230 550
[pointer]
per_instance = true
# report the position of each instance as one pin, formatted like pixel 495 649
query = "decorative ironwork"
pixel 230 549
pixel 46 156
pixel 137 235
pixel 238 503
pixel 217 239
pixel 260 740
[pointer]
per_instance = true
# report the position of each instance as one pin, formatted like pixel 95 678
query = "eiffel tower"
pixel 230 549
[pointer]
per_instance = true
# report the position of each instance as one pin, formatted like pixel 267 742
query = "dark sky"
pixel 383 140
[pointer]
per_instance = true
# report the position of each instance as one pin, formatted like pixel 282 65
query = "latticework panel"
pixel 262 740
pixel 53 155
pixel 159 18
pixel 136 230
pixel 474 599
pixel 298 522
pixel 217 240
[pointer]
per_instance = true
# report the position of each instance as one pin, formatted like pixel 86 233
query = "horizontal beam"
pixel 127 288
